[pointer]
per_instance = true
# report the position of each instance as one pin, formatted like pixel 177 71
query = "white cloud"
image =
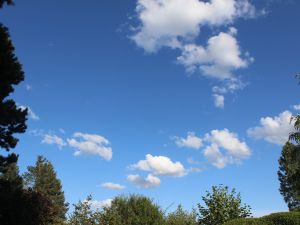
pixel 91 144
pixel 160 166
pixel 234 149
pixel 98 205
pixel 113 186
pixel 53 139
pixel 221 56
pixel 191 141
pixel 32 115
pixel 296 107
pixel 275 130
pixel 171 22
pixel 219 101
pixel 177 24
pixel 149 182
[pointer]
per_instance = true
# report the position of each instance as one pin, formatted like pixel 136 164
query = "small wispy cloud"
pixel 113 186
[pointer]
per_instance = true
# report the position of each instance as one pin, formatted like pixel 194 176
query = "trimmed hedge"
pixel 288 218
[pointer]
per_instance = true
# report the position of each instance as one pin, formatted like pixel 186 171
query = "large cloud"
pixel 91 144
pixel 149 182
pixel 160 166
pixel 176 24
pixel 275 130
pixel 171 22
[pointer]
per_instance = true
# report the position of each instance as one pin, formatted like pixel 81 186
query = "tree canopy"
pixel 222 206
pixel 42 178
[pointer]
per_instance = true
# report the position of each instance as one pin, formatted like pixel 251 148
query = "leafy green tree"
pixel 42 179
pixel 289 175
pixel 84 214
pixel 222 206
pixel 289 167
pixel 132 210
pixel 182 217
pixel 12 118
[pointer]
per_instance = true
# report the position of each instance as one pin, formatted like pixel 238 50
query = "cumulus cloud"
pixel 191 141
pixel 32 115
pixel 234 150
pixel 160 166
pixel 221 56
pixel 219 101
pixel 53 139
pixel 176 24
pixel 149 182
pixel 91 144
pixel 113 186
pixel 168 23
pixel 275 130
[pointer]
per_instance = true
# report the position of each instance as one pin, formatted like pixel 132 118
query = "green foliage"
pixel 12 175
pixel 19 206
pixel 222 206
pixel 289 175
pixel 182 217
pixel 42 179
pixel 84 214
pixel 291 218
pixel 132 210
pixel 249 221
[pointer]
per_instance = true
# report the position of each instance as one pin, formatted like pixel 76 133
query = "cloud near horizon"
pixel 149 182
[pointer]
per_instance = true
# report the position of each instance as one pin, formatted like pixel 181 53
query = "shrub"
pixel 246 222
pixel 288 218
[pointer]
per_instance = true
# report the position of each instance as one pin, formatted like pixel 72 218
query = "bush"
pixel 246 222
pixel 288 218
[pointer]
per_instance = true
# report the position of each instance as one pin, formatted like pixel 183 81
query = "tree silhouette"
pixel 12 118
pixel 8 2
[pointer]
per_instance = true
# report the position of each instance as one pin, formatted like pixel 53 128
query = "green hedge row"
pixel 289 218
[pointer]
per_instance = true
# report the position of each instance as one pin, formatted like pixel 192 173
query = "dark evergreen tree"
pixel 42 179
pixel 8 2
pixel 12 118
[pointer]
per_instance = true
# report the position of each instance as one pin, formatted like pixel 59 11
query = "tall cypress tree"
pixel 42 179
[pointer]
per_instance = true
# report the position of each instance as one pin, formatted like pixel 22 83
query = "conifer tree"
pixel 12 118
pixel 8 2
pixel 42 178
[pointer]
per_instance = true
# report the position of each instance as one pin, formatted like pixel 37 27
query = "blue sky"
pixel 164 100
